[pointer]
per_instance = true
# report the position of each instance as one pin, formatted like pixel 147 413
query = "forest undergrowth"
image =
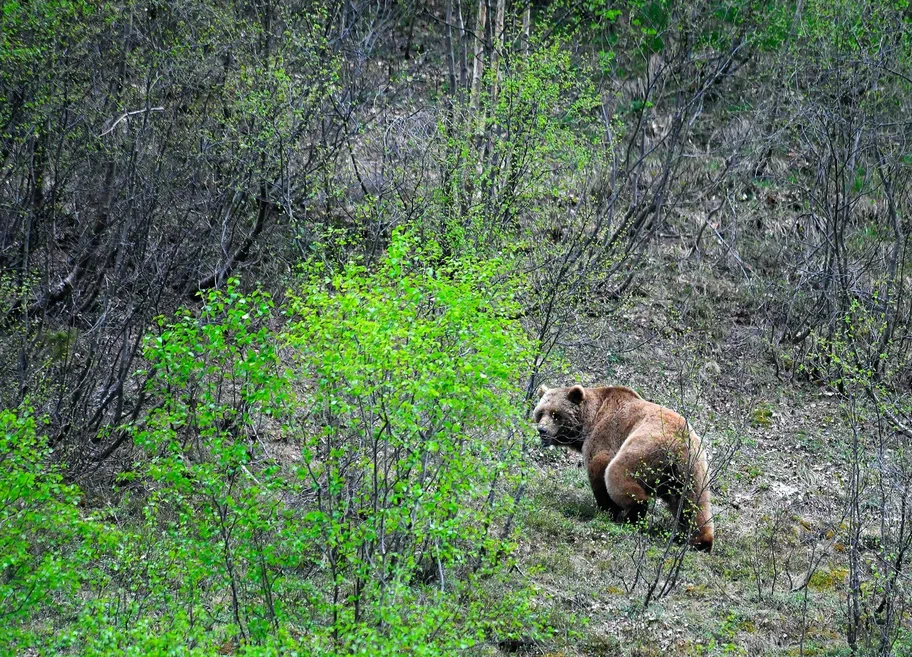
pixel 278 282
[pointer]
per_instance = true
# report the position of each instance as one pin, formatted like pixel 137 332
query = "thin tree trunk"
pixel 526 27
pixel 451 54
pixel 497 34
pixel 478 70
pixel 463 48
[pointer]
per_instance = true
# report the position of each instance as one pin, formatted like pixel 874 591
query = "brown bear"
pixel 633 449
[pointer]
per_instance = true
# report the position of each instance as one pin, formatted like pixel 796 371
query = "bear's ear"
pixel 575 394
pixel 542 389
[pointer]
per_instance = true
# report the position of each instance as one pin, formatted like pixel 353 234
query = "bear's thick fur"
pixel 633 449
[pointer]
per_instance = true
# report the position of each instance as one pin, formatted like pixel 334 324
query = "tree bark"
pixel 451 54
pixel 526 27
pixel 478 70
pixel 497 34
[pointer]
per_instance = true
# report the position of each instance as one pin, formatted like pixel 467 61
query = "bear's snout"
pixel 545 436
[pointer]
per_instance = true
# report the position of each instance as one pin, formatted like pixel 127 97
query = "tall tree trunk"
pixel 497 35
pixel 451 54
pixel 463 48
pixel 480 25
pixel 526 27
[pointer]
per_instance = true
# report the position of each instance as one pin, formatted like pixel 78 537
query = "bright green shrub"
pixel 213 507
pixel 412 452
pixel 385 531
pixel 42 537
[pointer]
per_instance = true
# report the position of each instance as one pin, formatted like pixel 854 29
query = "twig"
pixel 127 115
pixel 898 424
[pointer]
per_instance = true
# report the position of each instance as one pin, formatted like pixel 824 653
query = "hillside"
pixel 279 281
pixel 779 499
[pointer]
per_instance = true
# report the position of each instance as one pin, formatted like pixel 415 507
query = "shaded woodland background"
pixel 278 281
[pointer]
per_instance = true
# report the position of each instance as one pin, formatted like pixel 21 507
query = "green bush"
pixel 384 530
pixel 409 377
pixel 42 536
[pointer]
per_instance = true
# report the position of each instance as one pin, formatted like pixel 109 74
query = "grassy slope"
pixel 683 342
pixel 688 338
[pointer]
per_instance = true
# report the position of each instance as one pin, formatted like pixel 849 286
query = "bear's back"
pixel 623 412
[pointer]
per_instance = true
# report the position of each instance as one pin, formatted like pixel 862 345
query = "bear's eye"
pixel 555 415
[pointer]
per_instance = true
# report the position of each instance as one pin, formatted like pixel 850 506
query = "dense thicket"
pixel 277 278
pixel 150 150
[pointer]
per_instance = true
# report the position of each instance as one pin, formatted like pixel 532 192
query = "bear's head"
pixel 559 416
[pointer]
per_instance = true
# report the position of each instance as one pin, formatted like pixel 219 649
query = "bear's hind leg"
pixel 597 467
pixel 624 490
pixel 694 525
pixel 682 511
